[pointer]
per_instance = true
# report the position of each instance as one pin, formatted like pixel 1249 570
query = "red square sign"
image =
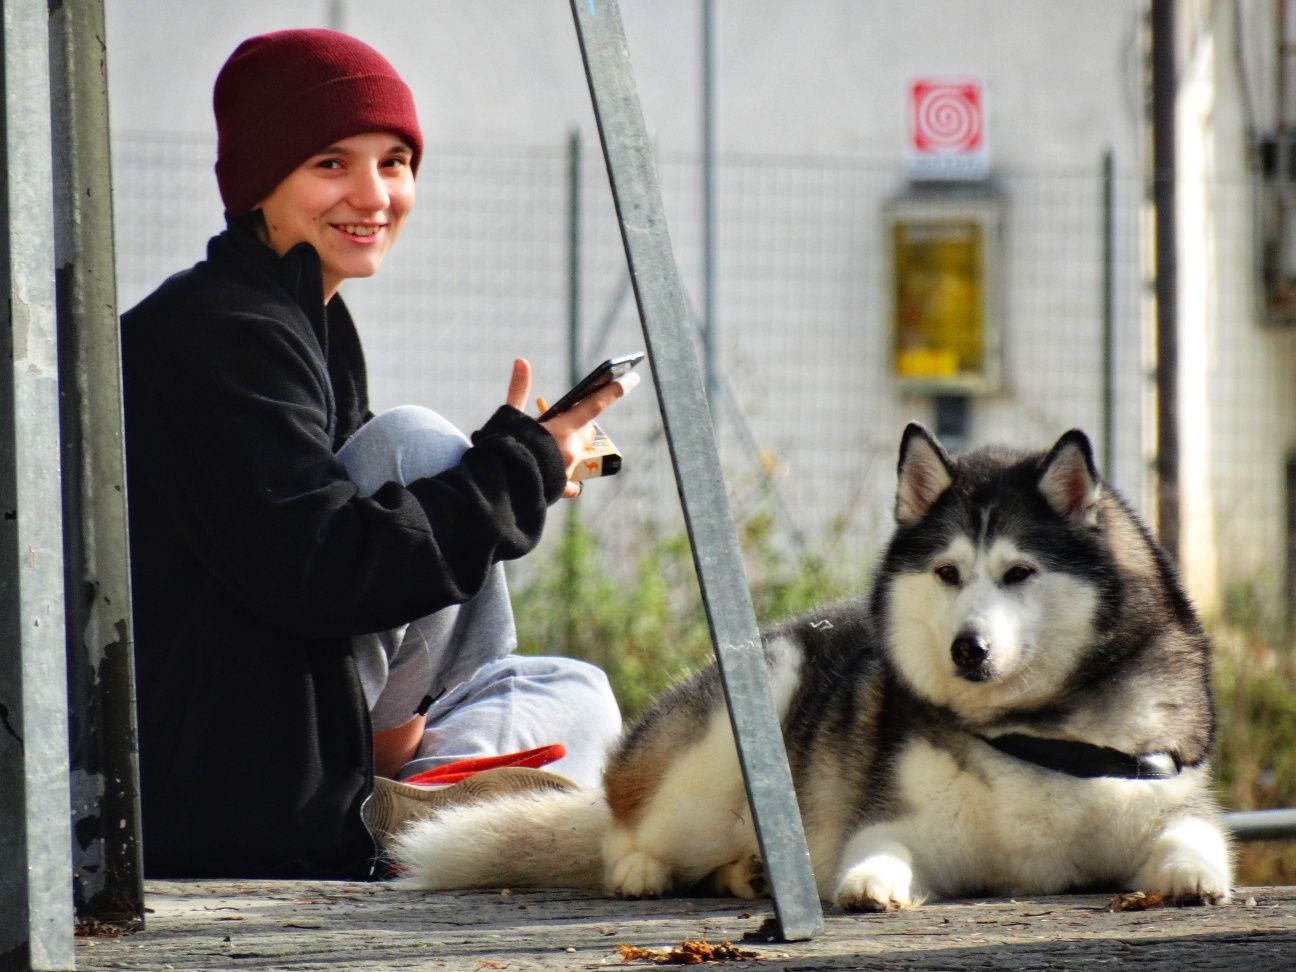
pixel 946 128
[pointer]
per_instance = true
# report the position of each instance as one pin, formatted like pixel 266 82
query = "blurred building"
pixel 876 259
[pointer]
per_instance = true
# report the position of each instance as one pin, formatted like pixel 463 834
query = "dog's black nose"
pixel 970 652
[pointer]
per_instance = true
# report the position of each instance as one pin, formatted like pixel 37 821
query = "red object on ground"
pixel 464 768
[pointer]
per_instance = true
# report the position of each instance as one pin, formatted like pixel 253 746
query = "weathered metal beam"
pixel 686 416
pixel 35 845
pixel 107 866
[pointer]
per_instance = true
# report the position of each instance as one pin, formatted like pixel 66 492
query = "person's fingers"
pixel 572 489
pixel 628 382
pixel 593 406
pixel 520 384
pixel 572 439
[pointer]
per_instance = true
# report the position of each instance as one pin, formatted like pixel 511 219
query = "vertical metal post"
pixel 1289 616
pixel 35 844
pixel 107 868
pixel 571 521
pixel 710 327
pixel 1164 89
pixel 687 420
pixel 574 363
pixel 335 17
pixel 1108 314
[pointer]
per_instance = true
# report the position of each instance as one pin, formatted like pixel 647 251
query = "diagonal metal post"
pixel 687 420
pixel 35 832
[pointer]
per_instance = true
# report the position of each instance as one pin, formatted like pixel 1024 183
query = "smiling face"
pixel 348 201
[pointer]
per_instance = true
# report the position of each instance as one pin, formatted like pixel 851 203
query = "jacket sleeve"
pixel 229 416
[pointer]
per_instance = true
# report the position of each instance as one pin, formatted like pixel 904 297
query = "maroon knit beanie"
pixel 284 96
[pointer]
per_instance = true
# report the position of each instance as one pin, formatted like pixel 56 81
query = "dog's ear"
pixel 1069 480
pixel 924 472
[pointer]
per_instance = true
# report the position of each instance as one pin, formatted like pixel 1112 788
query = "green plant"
pixel 1255 692
pixel 647 630
pixel 639 631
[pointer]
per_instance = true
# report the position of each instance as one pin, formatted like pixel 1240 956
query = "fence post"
pixel 710 326
pixel 35 835
pixel 1108 315
pixel 1165 86
pixel 571 520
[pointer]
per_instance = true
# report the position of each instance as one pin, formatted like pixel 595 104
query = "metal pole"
pixel 1261 824
pixel 335 18
pixel 687 421
pixel 571 524
pixel 107 865
pixel 35 835
pixel 1164 86
pixel 574 363
pixel 709 325
pixel 1108 314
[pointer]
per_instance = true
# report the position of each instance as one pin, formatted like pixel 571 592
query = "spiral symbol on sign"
pixel 947 118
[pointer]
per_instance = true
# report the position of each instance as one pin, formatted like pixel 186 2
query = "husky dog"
pixel 1022 706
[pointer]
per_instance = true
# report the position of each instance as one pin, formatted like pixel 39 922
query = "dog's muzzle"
pixel 971 654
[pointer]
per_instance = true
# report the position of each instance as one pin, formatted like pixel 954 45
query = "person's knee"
pixel 593 682
pixel 555 667
pixel 582 688
pixel 404 424
pixel 402 444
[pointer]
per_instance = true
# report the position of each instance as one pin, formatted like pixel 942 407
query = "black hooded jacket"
pixel 254 561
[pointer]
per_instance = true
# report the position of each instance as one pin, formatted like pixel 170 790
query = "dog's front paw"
pixel 743 878
pixel 1189 878
pixel 636 875
pixel 879 883
pixel 1189 864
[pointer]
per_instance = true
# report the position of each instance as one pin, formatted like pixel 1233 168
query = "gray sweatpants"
pixel 487 700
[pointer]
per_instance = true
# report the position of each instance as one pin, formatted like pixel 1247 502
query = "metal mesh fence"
pixel 811 418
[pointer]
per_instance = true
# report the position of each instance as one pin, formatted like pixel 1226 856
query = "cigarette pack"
pixel 601 458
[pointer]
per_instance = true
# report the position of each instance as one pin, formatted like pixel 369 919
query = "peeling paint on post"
pixel 106 865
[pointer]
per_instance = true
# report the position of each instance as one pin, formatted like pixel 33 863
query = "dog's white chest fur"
pixel 993 823
pixel 998 824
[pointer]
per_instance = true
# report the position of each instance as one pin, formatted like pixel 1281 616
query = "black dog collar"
pixel 1085 760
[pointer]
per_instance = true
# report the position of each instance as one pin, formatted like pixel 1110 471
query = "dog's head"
pixel 991 590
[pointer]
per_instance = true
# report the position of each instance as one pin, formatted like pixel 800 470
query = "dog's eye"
pixel 1018 573
pixel 948 574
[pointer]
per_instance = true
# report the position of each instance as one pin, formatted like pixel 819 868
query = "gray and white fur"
pixel 1019 599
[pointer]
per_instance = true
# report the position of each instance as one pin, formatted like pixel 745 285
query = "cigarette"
pixel 542 405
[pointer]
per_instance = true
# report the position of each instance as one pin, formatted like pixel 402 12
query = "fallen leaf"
pixel 94 928
pixel 687 953
pixel 1136 901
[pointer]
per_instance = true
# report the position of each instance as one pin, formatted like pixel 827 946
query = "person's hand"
pixel 573 430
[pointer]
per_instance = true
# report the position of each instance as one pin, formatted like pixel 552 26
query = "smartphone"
pixel 608 371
